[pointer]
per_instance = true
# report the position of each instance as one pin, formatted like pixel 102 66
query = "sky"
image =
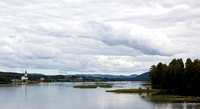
pixel 120 37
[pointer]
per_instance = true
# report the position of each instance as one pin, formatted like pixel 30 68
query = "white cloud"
pixel 115 36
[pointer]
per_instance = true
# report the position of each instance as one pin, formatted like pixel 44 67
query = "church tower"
pixel 25 74
pixel 25 77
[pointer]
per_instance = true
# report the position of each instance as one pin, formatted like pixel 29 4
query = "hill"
pixel 142 77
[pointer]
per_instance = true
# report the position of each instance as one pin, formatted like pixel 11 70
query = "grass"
pixel 156 97
pixel 134 90
pixel 85 86
pixel 186 99
pixel 104 85
pixel 171 98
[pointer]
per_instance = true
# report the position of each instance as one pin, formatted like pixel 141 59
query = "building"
pixel 25 77
pixel 79 78
pixel 14 80
pixel 42 79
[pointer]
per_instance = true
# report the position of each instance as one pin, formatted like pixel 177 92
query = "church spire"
pixel 25 73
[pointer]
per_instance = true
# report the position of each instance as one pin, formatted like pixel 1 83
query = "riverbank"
pixel 171 98
pixel 134 90
pixel 102 85
pixel 154 95
pixel 85 86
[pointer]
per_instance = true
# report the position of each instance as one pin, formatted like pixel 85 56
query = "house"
pixel 42 79
pixel 14 80
pixel 80 78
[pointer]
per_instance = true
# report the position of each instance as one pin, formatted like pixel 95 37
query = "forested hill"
pixel 105 76
pixel 142 77
pixel 6 77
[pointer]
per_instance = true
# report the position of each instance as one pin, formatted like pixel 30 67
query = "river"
pixel 62 95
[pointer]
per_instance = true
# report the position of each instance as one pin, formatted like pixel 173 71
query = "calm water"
pixel 64 96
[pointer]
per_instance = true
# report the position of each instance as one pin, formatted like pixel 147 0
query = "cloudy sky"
pixel 96 36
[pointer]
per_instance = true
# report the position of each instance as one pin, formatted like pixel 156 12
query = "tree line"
pixel 177 77
pixel 7 77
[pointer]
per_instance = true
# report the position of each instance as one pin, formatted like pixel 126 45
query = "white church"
pixel 25 77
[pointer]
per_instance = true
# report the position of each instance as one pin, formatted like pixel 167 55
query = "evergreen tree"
pixel 177 78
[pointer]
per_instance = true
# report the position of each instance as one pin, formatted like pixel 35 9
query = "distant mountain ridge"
pixel 133 77
pixel 104 76
pixel 15 73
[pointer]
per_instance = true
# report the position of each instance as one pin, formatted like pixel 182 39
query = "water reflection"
pixel 24 87
pixel 184 106
pixel 64 96
pixel 178 106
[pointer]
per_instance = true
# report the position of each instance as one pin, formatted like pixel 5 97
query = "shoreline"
pixel 154 95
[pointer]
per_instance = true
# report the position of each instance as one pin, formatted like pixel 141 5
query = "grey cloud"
pixel 145 40
pixel 171 18
pixel 97 36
